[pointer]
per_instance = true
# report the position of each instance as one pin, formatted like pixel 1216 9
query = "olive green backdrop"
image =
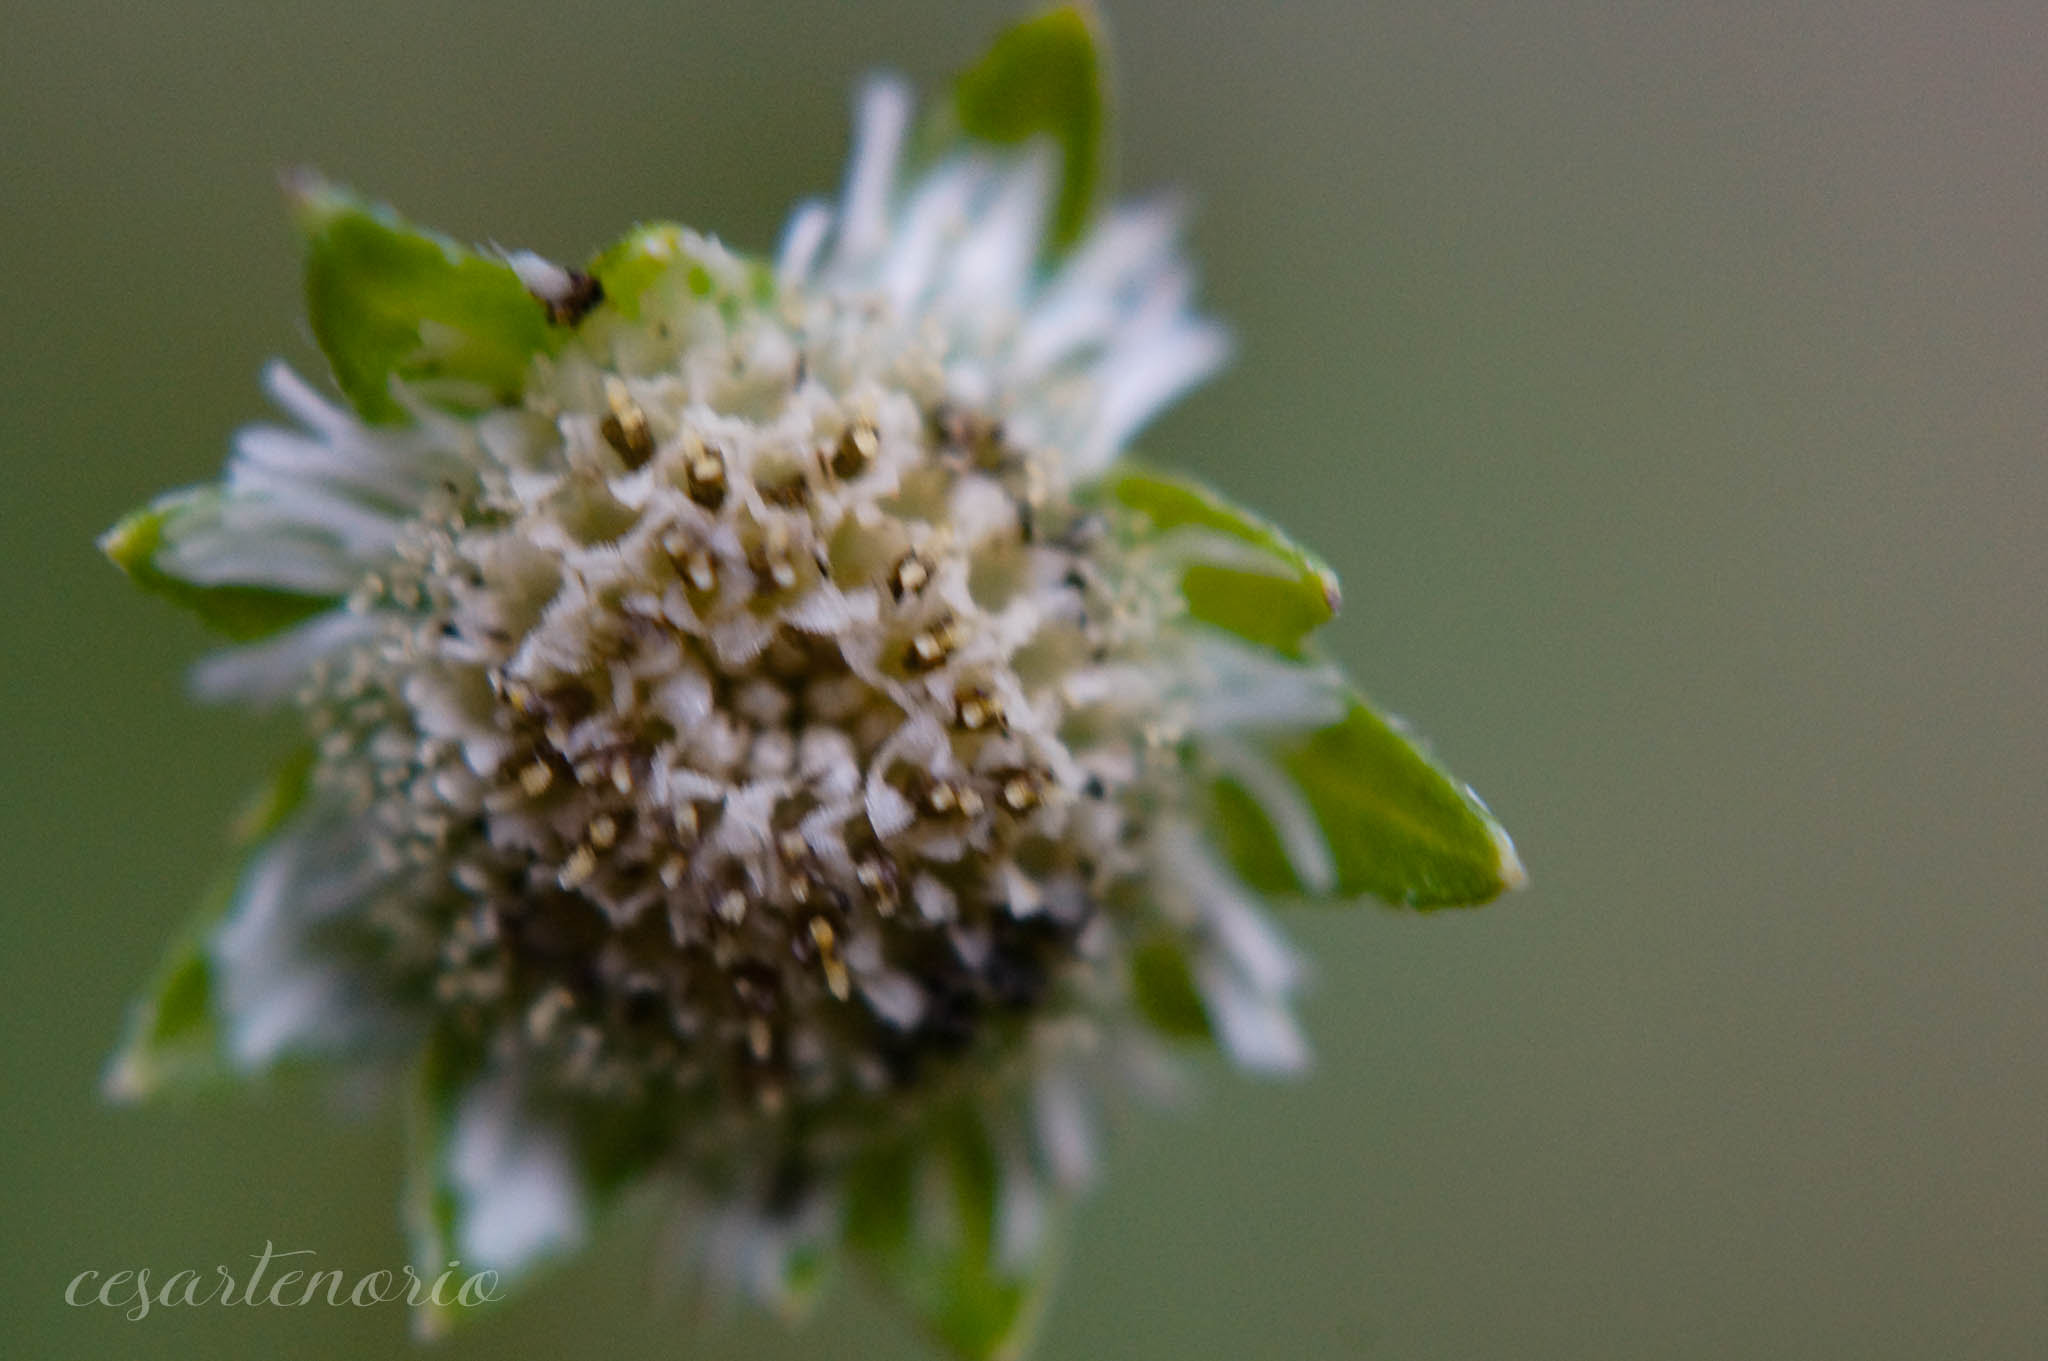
pixel 1666 383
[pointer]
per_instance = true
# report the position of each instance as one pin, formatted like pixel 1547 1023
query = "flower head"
pixel 763 732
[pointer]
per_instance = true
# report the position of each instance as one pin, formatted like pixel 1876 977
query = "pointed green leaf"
pixel 388 299
pixel 1045 76
pixel 172 1041
pixel 1397 827
pixel 1264 587
pixel 923 1215
pixel 243 613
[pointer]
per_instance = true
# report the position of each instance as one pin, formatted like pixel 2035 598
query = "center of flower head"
pixel 731 715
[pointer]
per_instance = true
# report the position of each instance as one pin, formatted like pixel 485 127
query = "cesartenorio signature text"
pixel 292 1285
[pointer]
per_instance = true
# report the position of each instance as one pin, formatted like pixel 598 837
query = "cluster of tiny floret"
pixel 734 724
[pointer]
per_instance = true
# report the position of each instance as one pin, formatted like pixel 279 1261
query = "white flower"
pixel 763 733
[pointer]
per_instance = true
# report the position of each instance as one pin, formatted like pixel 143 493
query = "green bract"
pixel 388 300
pixel 172 1042
pixel 232 609
pixel 173 1039
pixel 1396 825
pixel 1271 591
pixel 1044 77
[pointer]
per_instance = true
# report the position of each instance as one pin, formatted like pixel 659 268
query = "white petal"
pixel 297 396
pixel 800 242
pixel 1139 379
pixel 1230 911
pixel 277 994
pixel 1086 299
pixel 1064 1129
pixel 1020 1207
pixel 289 457
pixel 1255 1028
pixel 540 276
pixel 402 463
pixel 936 210
pixel 1133 242
pixel 211 541
pixel 311 507
pixel 985 286
pixel 272 671
pixel 521 1198
pixel 879 122
pixel 1234 687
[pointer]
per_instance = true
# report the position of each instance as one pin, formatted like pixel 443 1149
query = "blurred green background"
pixel 1666 383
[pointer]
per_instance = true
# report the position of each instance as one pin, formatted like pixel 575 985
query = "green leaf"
pixel 1265 588
pixel 172 1041
pixel 243 613
pixel 1397 826
pixel 388 299
pixel 944 1266
pixel 1045 76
